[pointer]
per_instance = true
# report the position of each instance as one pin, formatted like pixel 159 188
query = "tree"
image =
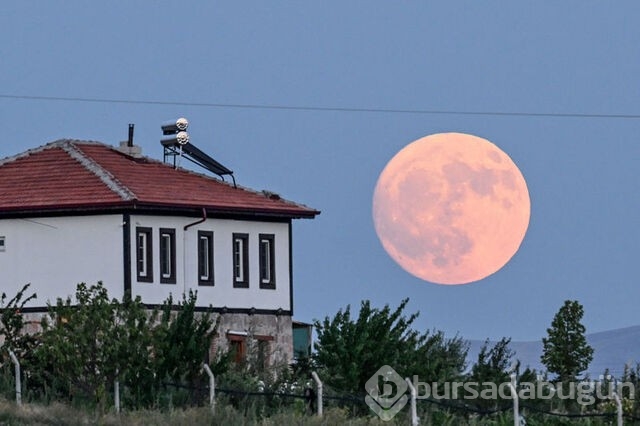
pixel 492 366
pixel 12 326
pixel 182 341
pixel 91 340
pixel 135 367
pixel 79 352
pixel 493 363
pixel 566 352
pixel 350 350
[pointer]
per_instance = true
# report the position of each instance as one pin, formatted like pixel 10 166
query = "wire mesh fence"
pixel 302 397
pixel 356 404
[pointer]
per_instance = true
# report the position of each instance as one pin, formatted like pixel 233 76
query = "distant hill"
pixel 612 349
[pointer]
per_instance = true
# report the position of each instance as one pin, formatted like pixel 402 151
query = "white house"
pixel 79 211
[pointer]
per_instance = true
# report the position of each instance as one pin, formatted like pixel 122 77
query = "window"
pixel 263 351
pixel 267 263
pixel 241 260
pixel 237 346
pixel 144 254
pixel 167 256
pixel 205 258
pixel 2 246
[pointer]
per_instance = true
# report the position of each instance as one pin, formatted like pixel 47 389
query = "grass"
pixel 60 414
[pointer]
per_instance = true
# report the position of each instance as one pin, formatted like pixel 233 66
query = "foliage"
pixel 91 341
pixel 632 375
pixel 350 351
pixel 60 414
pixel 267 390
pixel 134 359
pixel 181 341
pixel 12 325
pixel 492 367
pixel 80 350
pixel 86 344
pixel 437 358
pixel 566 352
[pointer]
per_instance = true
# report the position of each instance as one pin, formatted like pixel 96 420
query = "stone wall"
pixel 277 328
pixel 258 326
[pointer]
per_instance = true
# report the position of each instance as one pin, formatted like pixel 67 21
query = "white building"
pixel 77 211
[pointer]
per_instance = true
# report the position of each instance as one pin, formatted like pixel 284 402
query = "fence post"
pixel 618 407
pixel 414 413
pixel 212 388
pixel 514 394
pixel 116 391
pixel 18 383
pixel 319 386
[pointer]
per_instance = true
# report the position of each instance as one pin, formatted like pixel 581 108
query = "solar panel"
pixel 176 143
pixel 195 155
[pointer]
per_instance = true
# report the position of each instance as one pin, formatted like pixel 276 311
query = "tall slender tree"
pixel 566 352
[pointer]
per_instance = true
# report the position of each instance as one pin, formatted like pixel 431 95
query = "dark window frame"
pixel 266 261
pixel 171 278
pixel 237 347
pixel 208 237
pixel 240 280
pixel 264 351
pixel 145 258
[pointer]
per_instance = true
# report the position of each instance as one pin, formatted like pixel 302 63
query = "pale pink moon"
pixel 451 208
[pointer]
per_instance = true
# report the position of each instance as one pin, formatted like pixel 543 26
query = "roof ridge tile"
pixel 11 158
pixel 101 173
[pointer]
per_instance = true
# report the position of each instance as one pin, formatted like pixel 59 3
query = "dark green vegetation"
pixel 350 350
pixel 70 367
pixel 566 352
pixel 86 344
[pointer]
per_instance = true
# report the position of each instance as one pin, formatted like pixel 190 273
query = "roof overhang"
pixel 157 209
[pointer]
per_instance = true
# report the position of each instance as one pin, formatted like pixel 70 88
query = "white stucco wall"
pixel 54 254
pixel 222 293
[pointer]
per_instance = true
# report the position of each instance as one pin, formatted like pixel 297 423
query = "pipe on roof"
pixel 130 138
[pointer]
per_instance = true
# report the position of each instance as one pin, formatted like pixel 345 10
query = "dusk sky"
pixel 312 99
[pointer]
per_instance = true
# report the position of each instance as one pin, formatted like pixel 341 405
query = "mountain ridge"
pixel 613 349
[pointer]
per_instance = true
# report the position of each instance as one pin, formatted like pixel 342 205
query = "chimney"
pixel 130 140
pixel 128 147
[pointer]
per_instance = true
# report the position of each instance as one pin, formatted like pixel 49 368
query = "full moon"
pixel 451 208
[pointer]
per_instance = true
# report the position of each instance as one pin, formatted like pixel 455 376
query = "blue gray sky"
pixel 311 99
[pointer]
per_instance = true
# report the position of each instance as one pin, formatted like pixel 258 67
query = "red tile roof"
pixel 82 175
